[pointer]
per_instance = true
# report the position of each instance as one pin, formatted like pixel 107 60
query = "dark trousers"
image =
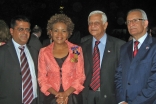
pixel 94 97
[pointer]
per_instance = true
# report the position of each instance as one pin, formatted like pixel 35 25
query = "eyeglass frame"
pixel 97 23
pixel 134 21
pixel 22 29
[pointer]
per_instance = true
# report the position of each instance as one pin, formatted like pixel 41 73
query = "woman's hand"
pixel 62 97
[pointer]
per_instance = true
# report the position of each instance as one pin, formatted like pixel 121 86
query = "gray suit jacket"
pixel 10 74
pixel 109 64
pixel 34 42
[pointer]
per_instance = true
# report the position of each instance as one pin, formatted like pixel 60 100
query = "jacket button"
pixel 105 96
pixel 129 84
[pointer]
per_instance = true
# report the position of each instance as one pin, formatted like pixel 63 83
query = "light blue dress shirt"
pixel 101 46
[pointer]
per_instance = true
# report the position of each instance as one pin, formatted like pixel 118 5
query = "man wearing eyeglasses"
pixel 18 66
pixel 101 55
pixel 135 76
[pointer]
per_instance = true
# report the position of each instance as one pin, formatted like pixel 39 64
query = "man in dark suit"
pixel 48 41
pixel 11 81
pixel 109 48
pixel 136 74
pixel 34 38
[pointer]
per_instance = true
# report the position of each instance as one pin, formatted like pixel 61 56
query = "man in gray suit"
pixel 34 38
pixel 109 48
pixel 11 84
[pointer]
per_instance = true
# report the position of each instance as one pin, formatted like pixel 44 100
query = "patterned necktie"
pixel 95 82
pixel 26 78
pixel 135 48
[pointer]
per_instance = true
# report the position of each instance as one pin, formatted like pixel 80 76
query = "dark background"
pixel 39 11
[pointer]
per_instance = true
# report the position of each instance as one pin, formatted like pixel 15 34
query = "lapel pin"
pixel 147 47
pixel 108 51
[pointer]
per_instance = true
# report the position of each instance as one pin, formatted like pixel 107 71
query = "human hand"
pixel 123 102
pixel 62 97
pixel 61 94
pixel 60 100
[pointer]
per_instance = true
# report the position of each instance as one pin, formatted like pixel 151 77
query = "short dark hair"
pixel 18 18
pixel 36 29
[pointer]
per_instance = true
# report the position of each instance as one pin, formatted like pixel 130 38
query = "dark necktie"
pixel 135 48
pixel 95 82
pixel 26 78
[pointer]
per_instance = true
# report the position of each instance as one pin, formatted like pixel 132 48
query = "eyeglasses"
pixel 22 29
pixel 95 23
pixel 135 21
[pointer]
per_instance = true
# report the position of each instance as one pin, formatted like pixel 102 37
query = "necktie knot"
pixel 136 43
pixel 96 43
pixel 21 48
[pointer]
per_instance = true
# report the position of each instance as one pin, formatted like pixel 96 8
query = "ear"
pixel 11 31
pixel 105 25
pixel 50 32
pixel 145 23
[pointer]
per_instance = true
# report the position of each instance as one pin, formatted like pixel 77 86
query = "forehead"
pixel 95 17
pixel 134 15
pixel 59 24
pixel 22 24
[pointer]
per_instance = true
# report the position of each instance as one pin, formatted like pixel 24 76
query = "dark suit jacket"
pixel 34 42
pixel 10 74
pixel 136 77
pixel 46 42
pixel 109 64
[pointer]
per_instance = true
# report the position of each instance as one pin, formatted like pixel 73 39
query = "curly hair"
pixel 4 32
pixel 60 18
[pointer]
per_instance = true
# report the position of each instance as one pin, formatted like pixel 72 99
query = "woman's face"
pixel 59 32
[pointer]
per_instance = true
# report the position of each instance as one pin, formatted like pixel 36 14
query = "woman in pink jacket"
pixel 61 65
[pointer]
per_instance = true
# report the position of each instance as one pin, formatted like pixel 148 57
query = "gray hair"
pixel 104 17
pixel 144 16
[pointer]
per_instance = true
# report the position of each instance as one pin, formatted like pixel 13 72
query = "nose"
pixel 59 33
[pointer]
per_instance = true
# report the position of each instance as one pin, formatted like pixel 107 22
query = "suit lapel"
pixel 88 53
pixel 130 50
pixel 34 56
pixel 13 53
pixel 107 51
pixel 144 48
pixel 108 55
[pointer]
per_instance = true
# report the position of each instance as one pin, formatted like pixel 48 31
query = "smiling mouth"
pixel 93 30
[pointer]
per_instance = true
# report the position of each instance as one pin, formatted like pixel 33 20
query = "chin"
pixel 94 34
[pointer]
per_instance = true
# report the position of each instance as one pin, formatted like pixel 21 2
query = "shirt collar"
pixel 102 40
pixel 141 40
pixel 16 44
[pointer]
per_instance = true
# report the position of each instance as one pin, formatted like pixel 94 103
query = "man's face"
pixel 21 32
pixel 136 24
pixel 96 26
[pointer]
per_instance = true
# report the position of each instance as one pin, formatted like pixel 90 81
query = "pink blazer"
pixel 49 71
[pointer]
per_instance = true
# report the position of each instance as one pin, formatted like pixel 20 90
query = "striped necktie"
pixel 95 82
pixel 135 48
pixel 26 78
